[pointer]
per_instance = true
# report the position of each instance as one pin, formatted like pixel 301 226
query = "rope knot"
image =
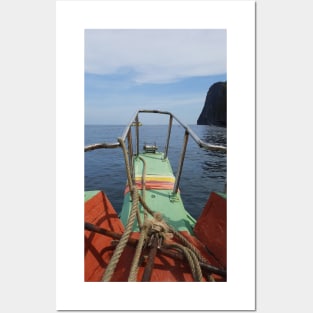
pixel 157 228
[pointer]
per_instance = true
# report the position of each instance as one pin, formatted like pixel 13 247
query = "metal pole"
pixel 137 135
pixel 103 145
pixel 201 143
pixel 168 136
pixel 181 162
pixel 150 262
pixel 130 150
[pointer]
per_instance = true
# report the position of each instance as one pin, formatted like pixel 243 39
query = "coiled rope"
pixel 192 260
pixel 188 244
pixel 176 233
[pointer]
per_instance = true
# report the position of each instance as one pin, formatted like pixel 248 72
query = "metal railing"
pixel 134 122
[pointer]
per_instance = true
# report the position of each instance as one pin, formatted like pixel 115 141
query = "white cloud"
pixel 156 56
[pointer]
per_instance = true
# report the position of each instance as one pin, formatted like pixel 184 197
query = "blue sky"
pixel 172 70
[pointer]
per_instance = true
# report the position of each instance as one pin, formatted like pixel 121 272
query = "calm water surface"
pixel 203 171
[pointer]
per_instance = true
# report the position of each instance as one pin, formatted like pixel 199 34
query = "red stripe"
pixel 153 185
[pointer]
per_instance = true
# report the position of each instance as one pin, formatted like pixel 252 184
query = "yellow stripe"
pixel 157 178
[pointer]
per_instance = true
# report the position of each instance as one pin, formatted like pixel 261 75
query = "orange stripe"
pixel 153 185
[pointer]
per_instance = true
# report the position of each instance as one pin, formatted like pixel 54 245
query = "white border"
pixel 72 18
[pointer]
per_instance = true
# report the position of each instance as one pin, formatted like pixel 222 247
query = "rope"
pixel 143 232
pixel 139 219
pixel 189 245
pixel 123 241
pixel 192 260
pixel 134 267
pixel 128 172
pixel 135 264
pixel 143 191
pixel 145 206
pixel 192 254
pixel 143 177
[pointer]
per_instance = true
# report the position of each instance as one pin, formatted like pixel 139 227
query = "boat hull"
pixel 99 249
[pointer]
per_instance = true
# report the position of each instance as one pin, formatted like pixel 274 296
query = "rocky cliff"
pixel 215 106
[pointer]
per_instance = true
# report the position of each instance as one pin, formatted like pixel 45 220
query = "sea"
pixel 203 171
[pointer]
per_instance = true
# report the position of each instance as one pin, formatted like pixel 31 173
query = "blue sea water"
pixel 203 171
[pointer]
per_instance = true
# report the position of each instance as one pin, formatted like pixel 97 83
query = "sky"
pixel 170 70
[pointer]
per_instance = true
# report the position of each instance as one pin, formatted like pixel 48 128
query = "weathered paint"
pixel 211 227
pixel 90 194
pixel 99 249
